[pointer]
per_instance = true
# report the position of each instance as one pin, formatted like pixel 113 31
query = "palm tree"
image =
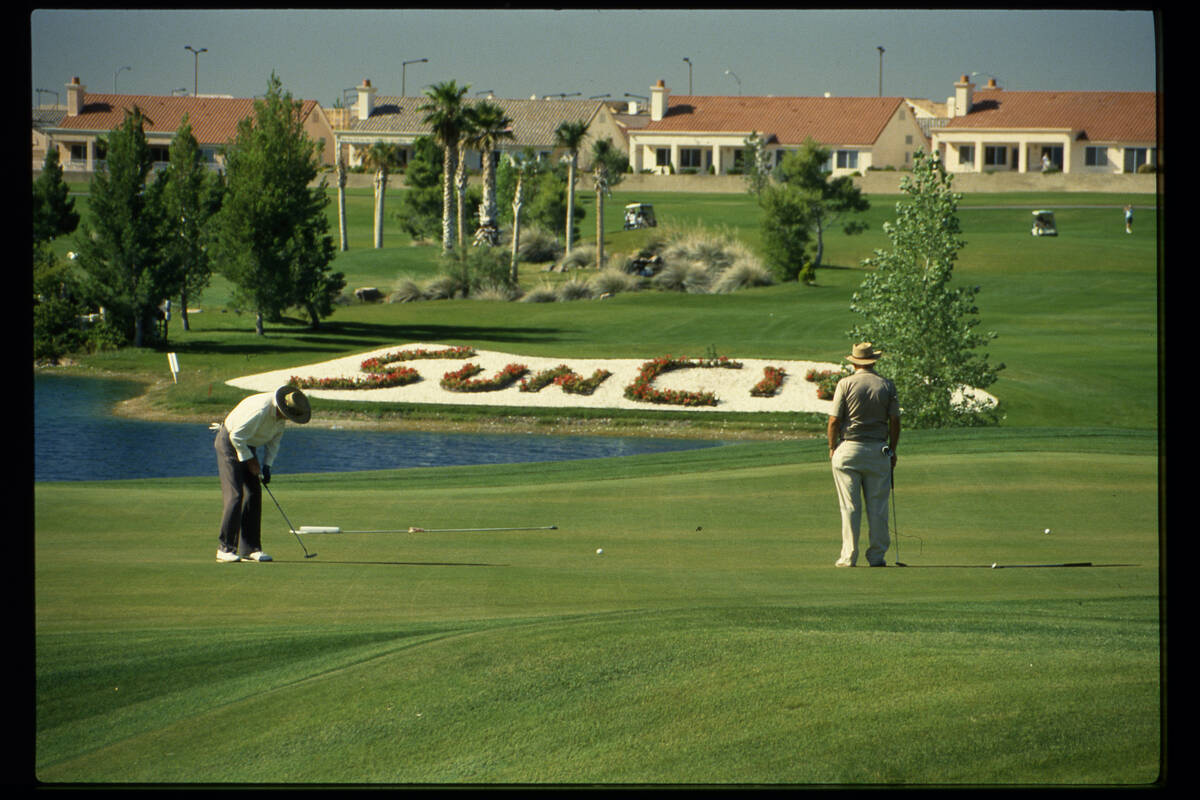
pixel 466 136
pixel 380 157
pixel 570 135
pixel 444 114
pixel 341 195
pixel 525 166
pixel 492 126
pixel 608 168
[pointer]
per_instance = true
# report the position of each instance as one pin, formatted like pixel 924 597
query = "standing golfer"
pixel 864 428
pixel 255 425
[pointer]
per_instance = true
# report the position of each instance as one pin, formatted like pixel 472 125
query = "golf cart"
pixel 639 215
pixel 1043 224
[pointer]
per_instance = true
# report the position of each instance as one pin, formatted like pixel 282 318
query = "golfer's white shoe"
pixel 228 556
pixel 258 555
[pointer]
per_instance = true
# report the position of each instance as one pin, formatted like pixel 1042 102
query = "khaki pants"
pixel 862 473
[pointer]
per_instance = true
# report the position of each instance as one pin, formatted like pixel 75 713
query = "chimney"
pixel 658 100
pixel 75 93
pixel 366 99
pixel 632 107
pixel 962 97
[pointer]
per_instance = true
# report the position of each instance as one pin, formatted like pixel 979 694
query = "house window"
pixel 79 152
pixel 689 158
pixel 966 154
pixel 1135 157
pixel 1054 154
pixel 995 156
pixel 847 159
pixel 1095 156
pixel 662 157
pixel 160 154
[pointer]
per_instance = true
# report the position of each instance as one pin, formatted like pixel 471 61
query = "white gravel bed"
pixel 731 386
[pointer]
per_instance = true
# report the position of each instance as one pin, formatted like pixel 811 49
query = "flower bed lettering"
pixel 565 378
pixel 381 363
pixel 642 389
pixel 826 381
pixel 461 380
pixel 770 383
pixel 397 377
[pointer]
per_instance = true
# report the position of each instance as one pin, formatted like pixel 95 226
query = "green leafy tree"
pixel 54 211
pixel 908 307
pixel 608 169
pixel 420 212
pixel 829 200
pixel 570 135
pixel 786 226
pixel 758 171
pixel 122 247
pixel 445 114
pixel 191 195
pixel 271 235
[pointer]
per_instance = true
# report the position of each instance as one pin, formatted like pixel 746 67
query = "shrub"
pixel 614 280
pixel 744 274
pixel 497 291
pixel 575 289
pixel 538 246
pixel 406 290
pixel 541 294
pixel 579 258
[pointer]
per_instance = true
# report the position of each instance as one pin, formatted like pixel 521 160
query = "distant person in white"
pixel 246 444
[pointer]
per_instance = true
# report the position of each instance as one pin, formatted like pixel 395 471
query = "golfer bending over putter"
pixel 255 425
pixel 863 431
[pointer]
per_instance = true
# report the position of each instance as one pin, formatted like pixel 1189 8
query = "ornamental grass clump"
pixel 546 293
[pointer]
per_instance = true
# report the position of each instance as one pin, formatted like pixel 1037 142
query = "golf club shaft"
pixel 315 530
pixel 288 521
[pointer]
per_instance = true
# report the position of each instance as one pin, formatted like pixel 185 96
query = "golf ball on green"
pixel 1046 531
pixel 599 551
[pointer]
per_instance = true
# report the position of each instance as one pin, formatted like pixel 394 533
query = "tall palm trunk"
pixel 460 188
pixel 341 196
pixel 570 203
pixel 381 180
pixel 518 200
pixel 448 165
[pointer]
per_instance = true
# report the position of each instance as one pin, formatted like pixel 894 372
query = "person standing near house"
pixel 863 430
pixel 246 444
pixel 1129 218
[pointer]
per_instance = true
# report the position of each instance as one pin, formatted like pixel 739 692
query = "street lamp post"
pixel 736 78
pixel 115 74
pixel 404 74
pixel 880 49
pixel 689 63
pixel 196 68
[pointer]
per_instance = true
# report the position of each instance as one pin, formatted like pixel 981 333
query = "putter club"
pixel 289 523
pixel 308 529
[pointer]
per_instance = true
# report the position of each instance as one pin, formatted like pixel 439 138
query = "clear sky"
pixel 519 53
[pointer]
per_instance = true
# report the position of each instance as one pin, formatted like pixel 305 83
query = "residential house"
pixel 396 120
pixel 707 134
pixel 90 117
pixel 995 129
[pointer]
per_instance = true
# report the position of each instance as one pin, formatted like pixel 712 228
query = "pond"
pixel 77 438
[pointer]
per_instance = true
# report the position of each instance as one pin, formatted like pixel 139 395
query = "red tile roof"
pixel 1097 116
pixel 213 119
pixel 828 120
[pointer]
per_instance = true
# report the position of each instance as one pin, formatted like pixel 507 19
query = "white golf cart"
pixel 639 215
pixel 1043 223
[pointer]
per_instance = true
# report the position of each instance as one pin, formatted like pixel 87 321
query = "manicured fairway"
pixel 712 642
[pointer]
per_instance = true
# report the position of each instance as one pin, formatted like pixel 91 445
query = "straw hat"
pixel 293 404
pixel 864 353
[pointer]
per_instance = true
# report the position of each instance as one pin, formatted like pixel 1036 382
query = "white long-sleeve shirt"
pixel 255 423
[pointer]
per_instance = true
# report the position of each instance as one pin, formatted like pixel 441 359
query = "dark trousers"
pixel 241 492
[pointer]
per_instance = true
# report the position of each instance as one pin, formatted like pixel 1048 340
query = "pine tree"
pixel 910 310
pixel 271 235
